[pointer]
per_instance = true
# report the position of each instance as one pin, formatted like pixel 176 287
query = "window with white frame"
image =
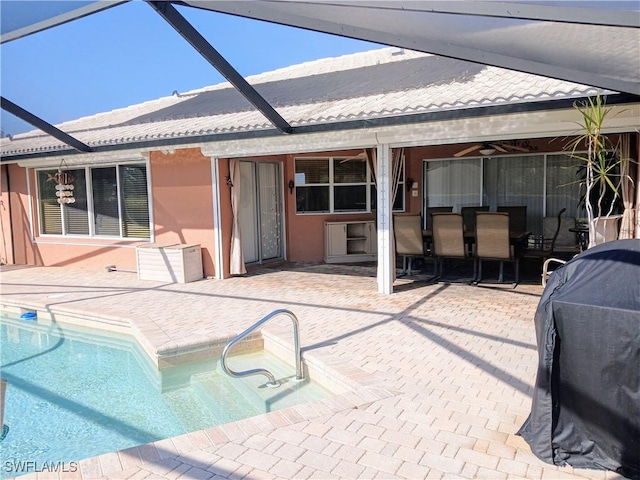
pixel 337 185
pixel 110 201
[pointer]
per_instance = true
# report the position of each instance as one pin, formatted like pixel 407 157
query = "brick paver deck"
pixel 441 373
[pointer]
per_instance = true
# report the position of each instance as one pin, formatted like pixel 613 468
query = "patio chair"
pixel 448 240
pixel 556 237
pixel 557 244
pixel 431 210
pixel 492 243
pixel 566 244
pixel 547 270
pixel 469 216
pixel 429 225
pixel 517 217
pixel 407 230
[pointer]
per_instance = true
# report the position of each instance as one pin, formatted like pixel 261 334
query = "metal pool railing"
pixel 262 371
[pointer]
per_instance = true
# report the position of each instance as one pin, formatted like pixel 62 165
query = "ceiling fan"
pixel 489 148
pixel 361 157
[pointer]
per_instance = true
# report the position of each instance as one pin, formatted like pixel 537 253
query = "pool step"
pixel 200 407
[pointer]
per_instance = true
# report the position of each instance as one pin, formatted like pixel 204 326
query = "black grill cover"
pixel 586 402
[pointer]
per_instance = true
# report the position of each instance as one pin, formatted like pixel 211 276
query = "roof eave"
pixel 359 124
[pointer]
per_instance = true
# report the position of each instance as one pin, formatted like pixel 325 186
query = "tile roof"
pixel 378 83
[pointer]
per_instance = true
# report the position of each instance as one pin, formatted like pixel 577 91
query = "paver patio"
pixel 442 372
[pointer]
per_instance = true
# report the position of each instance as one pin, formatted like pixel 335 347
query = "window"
pixel 545 183
pixel 337 185
pixel 109 202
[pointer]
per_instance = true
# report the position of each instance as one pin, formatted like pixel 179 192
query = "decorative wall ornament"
pixel 64 184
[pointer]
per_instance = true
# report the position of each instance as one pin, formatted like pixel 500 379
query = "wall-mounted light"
pixel 291 185
pixel 410 183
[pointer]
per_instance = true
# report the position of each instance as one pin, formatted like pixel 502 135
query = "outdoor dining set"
pixel 476 234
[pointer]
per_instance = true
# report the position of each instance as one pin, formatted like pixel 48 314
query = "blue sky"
pixel 128 54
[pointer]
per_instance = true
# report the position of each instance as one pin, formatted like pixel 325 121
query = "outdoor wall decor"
pixel 64 184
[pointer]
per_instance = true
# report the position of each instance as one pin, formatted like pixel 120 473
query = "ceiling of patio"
pixel 589 42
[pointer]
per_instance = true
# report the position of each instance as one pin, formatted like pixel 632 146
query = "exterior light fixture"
pixel 486 151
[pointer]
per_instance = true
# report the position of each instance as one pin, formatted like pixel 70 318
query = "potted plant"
pixel 600 163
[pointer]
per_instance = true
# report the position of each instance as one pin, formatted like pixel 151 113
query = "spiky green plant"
pixel 599 160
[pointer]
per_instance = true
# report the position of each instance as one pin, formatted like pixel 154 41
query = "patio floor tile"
pixel 441 373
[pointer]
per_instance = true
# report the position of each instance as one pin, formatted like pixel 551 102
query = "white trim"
pixel 544 184
pixel 31 223
pixel 331 185
pixel 539 124
pixel 91 212
pixel 384 208
pixel 152 225
pixel 217 230
pixel 481 186
pixel 86 159
pixel 88 173
pixel 283 211
pixel 120 200
pixel 78 244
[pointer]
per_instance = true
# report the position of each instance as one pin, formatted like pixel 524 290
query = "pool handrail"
pixel 262 371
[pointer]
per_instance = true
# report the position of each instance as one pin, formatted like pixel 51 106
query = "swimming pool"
pixel 74 393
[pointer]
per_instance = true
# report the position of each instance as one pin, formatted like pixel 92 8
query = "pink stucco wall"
pixel 6 245
pixel 182 210
pixel 84 253
pixel 183 201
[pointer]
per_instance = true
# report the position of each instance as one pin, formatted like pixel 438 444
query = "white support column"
pixel 384 220
pixel 217 230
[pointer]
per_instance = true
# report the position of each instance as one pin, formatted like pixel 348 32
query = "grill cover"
pixel 586 402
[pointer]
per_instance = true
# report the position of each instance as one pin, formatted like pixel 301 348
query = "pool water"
pixel 74 393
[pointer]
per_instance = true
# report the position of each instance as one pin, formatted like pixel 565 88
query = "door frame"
pixel 280 187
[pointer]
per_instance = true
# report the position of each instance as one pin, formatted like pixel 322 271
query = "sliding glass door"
pixel 456 183
pixel 543 183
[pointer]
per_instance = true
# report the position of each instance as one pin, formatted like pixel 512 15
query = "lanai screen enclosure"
pixel 592 43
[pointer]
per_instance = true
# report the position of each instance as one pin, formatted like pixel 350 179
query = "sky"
pixel 128 54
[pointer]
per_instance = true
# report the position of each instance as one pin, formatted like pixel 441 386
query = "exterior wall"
pixel 34 249
pixel 183 201
pixel 305 232
pixel 182 209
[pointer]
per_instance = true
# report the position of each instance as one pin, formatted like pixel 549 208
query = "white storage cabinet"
pixel 354 241
pixel 179 263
